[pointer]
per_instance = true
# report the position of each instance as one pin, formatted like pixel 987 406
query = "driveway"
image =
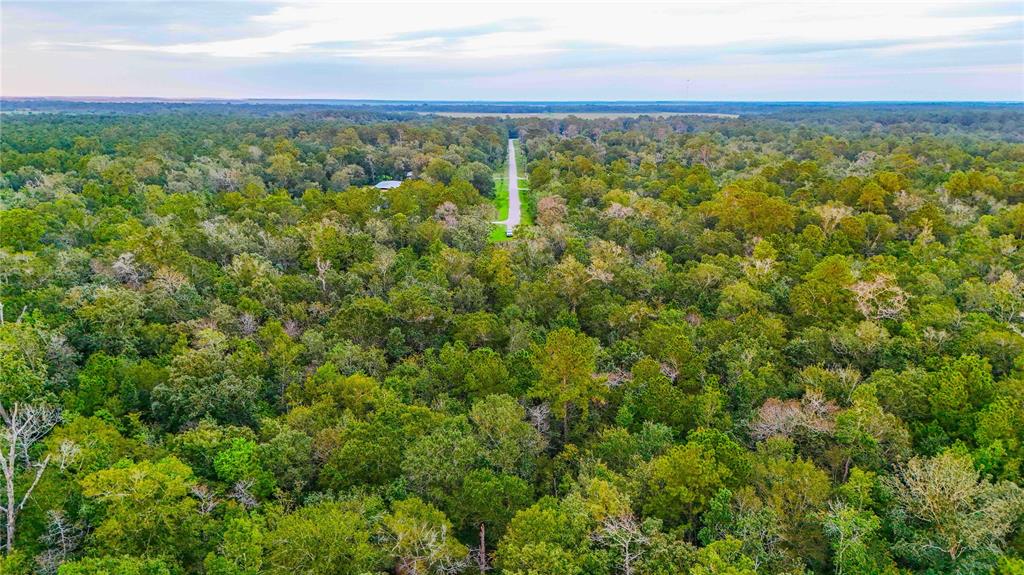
pixel 514 210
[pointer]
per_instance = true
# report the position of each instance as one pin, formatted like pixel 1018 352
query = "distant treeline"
pixel 382 109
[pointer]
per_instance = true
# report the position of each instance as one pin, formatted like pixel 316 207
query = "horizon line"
pixel 202 99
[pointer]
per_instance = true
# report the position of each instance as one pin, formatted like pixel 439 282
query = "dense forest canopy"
pixel 790 342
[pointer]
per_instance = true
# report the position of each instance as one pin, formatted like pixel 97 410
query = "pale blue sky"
pixel 747 50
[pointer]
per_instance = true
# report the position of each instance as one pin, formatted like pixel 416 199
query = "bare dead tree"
pixel 832 214
pixel 248 324
pixel 62 539
pixel 67 453
pixel 616 378
pixel 479 555
pixel 880 298
pixel 22 426
pixel 669 370
pixel 127 271
pixel 705 157
pixel 447 214
pixel 424 551
pixel 21 315
pixel 625 535
pixel 811 414
pixel 242 493
pixel 322 267
pixel 539 416
pixel 208 500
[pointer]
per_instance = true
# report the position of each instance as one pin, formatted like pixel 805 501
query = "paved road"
pixel 514 210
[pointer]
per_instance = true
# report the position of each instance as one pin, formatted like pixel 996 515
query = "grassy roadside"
pixel 501 202
pixel 525 197
pixel 525 202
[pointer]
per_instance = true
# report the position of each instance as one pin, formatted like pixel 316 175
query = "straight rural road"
pixel 514 213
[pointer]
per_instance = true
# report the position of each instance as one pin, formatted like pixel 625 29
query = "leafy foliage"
pixel 788 342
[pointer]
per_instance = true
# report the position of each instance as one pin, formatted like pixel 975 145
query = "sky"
pixel 742 50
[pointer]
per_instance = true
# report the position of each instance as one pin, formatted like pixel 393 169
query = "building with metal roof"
pixel 388 184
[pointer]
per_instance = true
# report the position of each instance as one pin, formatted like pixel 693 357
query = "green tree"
pixel 322 539
pixel 111 318
pixel 822 298
pixel 750 212
pixel 21 229
pixel 856 541
pixel 241 549
pixel 435 464
pixel 481 176
pixel 548 537
pixel 678 486
pixel 797 491
pixel 240 463
pixel 421 541
pixel 124 565
pixel 566 364
pixel 510 444
pixel 144 508
pixel 212 381
pixel 487 502
pixel 950 518
pixel 440 170
pixel 723 557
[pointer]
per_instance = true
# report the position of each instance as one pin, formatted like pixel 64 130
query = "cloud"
pixel 494 49
pixel 482 30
